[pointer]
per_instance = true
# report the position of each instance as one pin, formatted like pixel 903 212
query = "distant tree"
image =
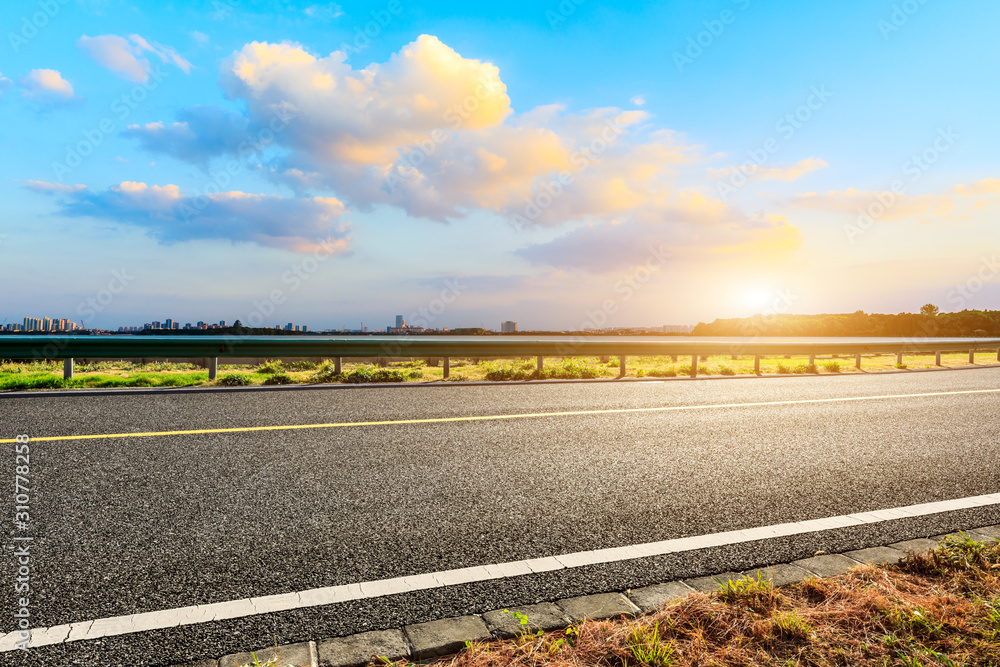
pixel 929 309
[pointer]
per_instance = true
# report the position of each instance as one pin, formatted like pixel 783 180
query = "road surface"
pixel 473 475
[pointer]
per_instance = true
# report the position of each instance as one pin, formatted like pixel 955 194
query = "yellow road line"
pixel 474 418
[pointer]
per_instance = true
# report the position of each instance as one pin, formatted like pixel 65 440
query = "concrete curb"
pixel 434 639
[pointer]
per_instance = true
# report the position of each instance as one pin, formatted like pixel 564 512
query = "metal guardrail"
pixel 214 347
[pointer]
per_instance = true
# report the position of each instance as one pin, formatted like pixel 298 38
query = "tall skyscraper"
pixel 400 322
pixel 508 327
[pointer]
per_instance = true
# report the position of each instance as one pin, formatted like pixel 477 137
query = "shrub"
pixel 506 371
pixel 370 374
pixel 304 365
pixel 783 369
pixel 805 368
pixel 571 369
pixel 234 380
pixel 327 373
pixel 663 373
pixel 270 367
pixel 279 378
pixel 726 370
pixel 902 367
pixel 832 366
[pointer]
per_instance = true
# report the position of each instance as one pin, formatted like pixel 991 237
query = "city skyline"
pixel 401 326
pixel 279 163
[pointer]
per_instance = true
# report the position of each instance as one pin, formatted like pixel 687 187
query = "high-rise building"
pixel 400 322
pixel 508 327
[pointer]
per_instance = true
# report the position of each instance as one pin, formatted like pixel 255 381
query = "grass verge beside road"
pixel 20 376
pixel 935 608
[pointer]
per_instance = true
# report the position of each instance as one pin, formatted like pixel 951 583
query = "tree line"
pixel 927 323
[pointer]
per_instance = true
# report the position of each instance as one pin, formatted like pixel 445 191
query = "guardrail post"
pixel 937 358
pixel 68 369
pixel 213 367
pixel 336 365
pixel 541 364
pixel 673 357
pixel 972 356
pixel 621 367
pixel 899 358
pixel 857 361
pixel 812 359
pixel 694 365
pixel 756 364
pixel 998 354
pixel 447 367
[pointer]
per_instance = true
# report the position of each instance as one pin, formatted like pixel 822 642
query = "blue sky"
pixel 561 165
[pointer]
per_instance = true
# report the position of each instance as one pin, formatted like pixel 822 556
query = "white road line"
pixel 218 611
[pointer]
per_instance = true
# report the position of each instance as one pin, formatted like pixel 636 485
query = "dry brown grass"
pixel 941 608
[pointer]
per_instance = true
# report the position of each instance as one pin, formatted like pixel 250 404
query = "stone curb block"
pixel 827 565
pixel 992 532
pixel 916 546
pixel 877 555
pixel 781 574
pixel 711 583
pixel 437 638
pixel 597 607
pixel 361 649
pixel 299 655
pixel 545 617
pixel 651 597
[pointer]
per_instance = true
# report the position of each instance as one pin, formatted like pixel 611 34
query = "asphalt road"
pixel 127 525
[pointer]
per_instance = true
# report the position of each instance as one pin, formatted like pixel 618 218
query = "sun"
pixel 756 298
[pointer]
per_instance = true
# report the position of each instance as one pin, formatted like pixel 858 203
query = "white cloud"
pixel 958 202
pixel 126 57
pixel 200 37
pixel 46 86
pixel 303 224
pixel 48 188
pixel 776 173
pixel 326 12
pixel 638 100
pixel 5 83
